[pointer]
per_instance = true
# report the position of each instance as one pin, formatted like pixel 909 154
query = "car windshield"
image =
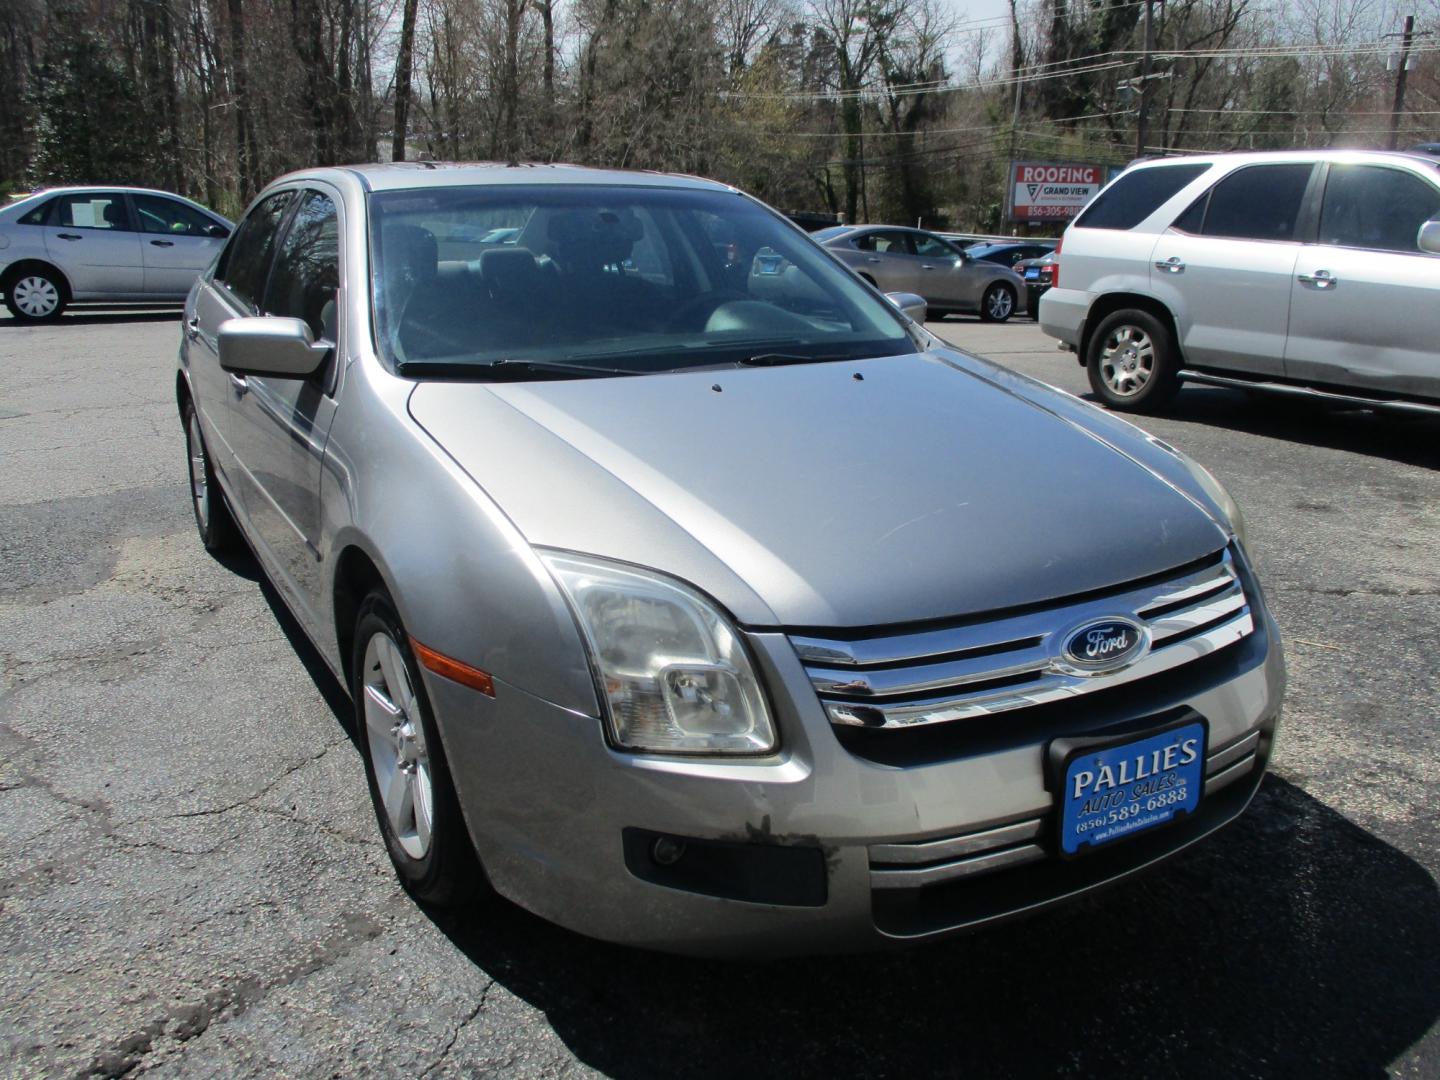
pixel 567 281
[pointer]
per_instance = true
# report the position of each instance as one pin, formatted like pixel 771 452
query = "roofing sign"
pixel 1043 190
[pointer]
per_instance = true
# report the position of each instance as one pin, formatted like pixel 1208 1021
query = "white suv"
pixel 1305 272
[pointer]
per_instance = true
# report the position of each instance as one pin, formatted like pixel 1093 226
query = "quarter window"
pixel 307 270
pixel 1137 195
pixel 1369 206
pixel 1261 202
pixel 91 211
pixel 246 262
pixel 38 215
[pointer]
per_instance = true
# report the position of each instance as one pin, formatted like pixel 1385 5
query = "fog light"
pixel 667 851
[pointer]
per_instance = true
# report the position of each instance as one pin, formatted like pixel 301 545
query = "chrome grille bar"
pixel 983 668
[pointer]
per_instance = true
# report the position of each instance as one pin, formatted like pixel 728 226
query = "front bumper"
pixel 550 808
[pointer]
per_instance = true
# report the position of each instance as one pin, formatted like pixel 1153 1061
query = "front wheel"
pixel 35 296
pixel 409 778
pixel 212 516
pixel 1132 362
pixel 998 303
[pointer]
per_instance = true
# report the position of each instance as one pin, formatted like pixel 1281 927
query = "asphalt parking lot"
pixel 191 881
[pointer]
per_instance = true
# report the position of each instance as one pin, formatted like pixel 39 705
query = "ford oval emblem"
pixel 1104 644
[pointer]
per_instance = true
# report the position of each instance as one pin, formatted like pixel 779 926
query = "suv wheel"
pixel 998 303
pixel 1131 361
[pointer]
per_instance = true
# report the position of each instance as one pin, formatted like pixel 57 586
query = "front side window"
pixel 609 280
pixel 160 215
pixel 91 212
pixel 1260 202
pixel 932 247
pixel 1136 195
pixel 246 261
pixel 307 268
pixel 1369 206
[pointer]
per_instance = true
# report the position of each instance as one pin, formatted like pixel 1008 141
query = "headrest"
pixel 113 214
pixel 410 254
pixel 594 237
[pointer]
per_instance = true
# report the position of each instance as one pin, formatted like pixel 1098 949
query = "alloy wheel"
pixel 1127 360
pixel 398 754
pixel 36 296
pixel 1000 303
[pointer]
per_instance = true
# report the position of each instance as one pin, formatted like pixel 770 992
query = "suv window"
pixel 896 243
pixel 246 261
pixel 161 215
pixel 1370 206
pixel 91 211
pixel 307 270
pixel 1259 202
pixel 1136 195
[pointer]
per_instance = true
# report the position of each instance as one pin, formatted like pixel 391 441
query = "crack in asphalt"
pixel 270 786
pixel 455 1035
pixel 1338 590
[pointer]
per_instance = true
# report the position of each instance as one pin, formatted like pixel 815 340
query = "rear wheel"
pixel 212 515
pixel 35 295
pixel 1132 362
pixel 409 778
pixel 998 303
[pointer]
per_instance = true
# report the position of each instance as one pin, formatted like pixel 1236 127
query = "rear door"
pixel 91 237
pixel 1224 268
pixel 1365 306
pixel 177 242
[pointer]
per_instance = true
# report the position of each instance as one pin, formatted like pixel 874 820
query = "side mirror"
pixel 909 304
pixel 270 345
pixel 219 232
pixel 1429 238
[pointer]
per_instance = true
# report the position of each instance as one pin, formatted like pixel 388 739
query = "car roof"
pixel 403 175
pixel 1247 157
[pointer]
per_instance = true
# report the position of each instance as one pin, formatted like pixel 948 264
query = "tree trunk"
pixel 402 79
pixel 247 152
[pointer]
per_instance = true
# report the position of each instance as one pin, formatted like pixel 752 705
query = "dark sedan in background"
pixel 901 260
pixel 1011 254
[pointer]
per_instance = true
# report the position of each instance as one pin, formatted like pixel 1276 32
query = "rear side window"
pixel 896 243
pixel 307 270
pixel 1261 202
pixel 1137 195
pixel 1368 206
pixel 106 211
pixel 246 262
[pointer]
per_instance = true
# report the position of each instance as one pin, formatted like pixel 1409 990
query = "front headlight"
pixel 1218 495
pixel 675 674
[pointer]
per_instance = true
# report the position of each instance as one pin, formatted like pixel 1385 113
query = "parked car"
pixel 102 243
pixel 896 259
pixel 1038 275
pixel 1310 273
pixel 1010 254
pixel 707 610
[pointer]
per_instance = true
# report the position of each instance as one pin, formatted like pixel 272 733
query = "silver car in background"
pixel 103 243
pixel 690 595
pixel 895 259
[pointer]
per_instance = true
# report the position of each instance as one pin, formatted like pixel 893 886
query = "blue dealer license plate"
pixel 1032 273
pixel 1122 788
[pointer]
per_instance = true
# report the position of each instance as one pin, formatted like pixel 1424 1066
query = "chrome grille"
pixel 978 669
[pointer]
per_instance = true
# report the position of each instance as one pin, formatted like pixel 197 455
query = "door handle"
pixel 192 328
pixel 162 243
pixel 924 266
pixel 1321 279
pixel 68 236
pixel 239 384
pixel 871 258
pixel 1172 265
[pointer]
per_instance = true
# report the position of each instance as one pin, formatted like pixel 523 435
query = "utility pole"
pixel 1142 122
pixel 1399 107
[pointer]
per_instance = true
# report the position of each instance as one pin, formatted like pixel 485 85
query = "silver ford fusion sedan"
pixel 688 593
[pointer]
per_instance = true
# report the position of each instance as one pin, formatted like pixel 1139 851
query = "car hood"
pixel 828 495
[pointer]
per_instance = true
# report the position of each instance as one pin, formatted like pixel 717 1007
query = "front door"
pixel 940 274
pixel 280 425
pixel 1224 268
pixel 89 235
pixel 1365 309
pixel 177 242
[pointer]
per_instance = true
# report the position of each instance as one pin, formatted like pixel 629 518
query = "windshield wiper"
pixel 775 359
pixel 508 370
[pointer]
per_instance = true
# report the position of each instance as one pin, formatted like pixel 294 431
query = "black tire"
pixel 212 513
pixel 35 294
pixel 1132 362
pixel 447 872
pixel 998 303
